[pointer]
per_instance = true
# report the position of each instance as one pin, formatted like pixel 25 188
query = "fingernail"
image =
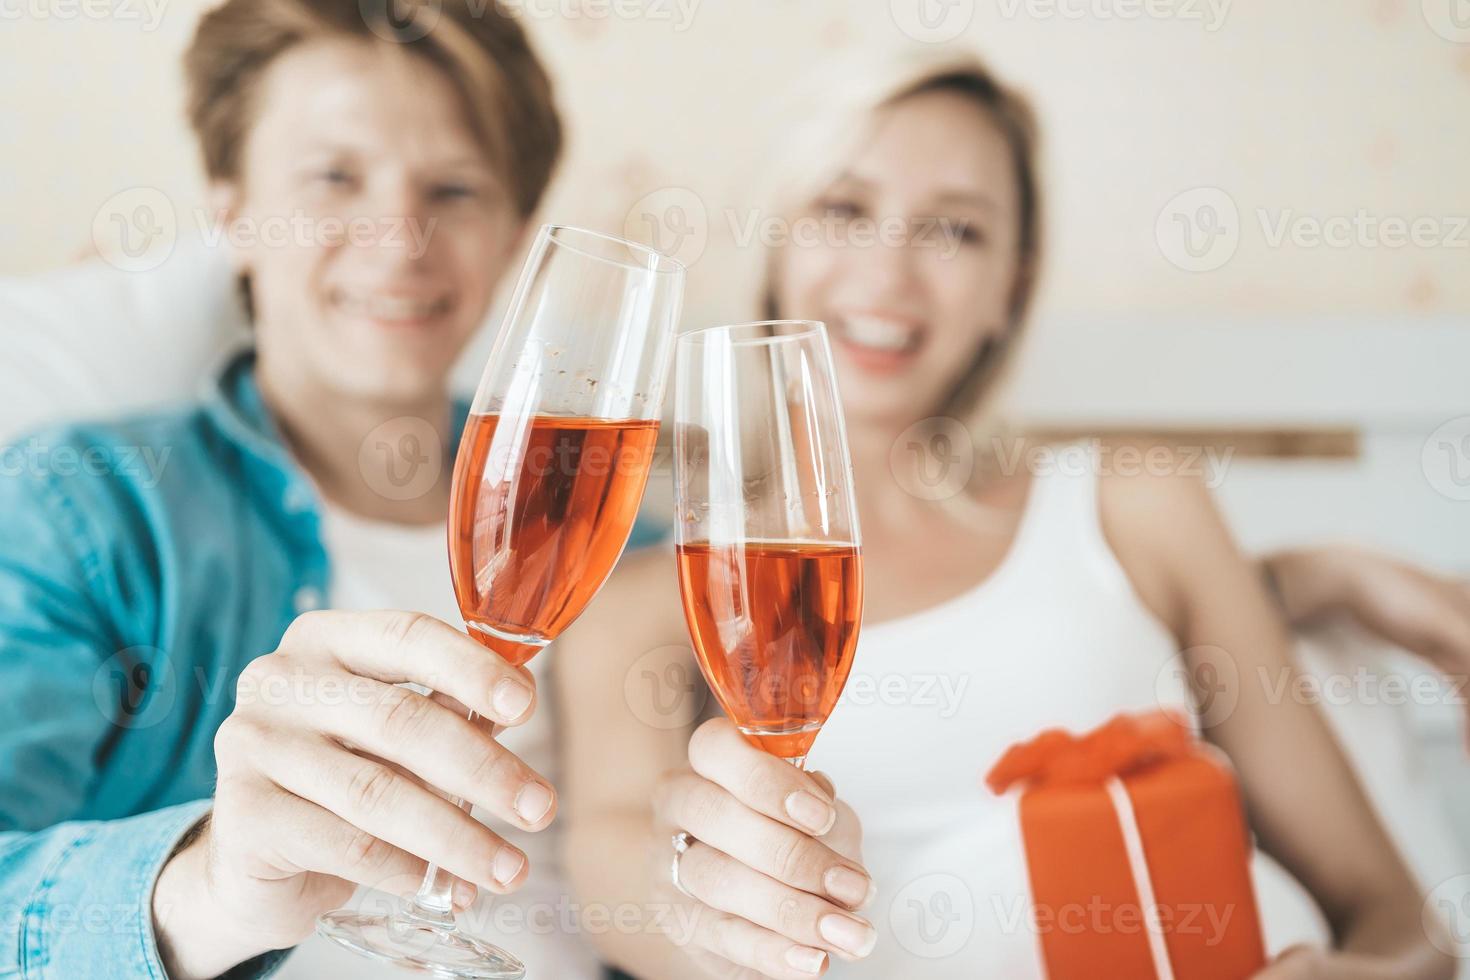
pixel 511 699
pixel 533 802
pixel 508 864
pixel 849 887
pixel 848 934
pixel 805 959
pixel 810 812
pixel 464 894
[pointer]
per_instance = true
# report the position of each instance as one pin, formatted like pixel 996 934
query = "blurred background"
pixel 1258 227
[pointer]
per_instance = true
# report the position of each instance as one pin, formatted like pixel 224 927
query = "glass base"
pixel 412 943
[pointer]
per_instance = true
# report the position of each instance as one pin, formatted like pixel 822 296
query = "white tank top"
pixel 1056 636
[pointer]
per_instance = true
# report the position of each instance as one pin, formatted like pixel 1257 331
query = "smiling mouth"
pixel 878 336
pixel 406 310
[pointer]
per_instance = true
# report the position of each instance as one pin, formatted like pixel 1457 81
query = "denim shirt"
pixel 143 564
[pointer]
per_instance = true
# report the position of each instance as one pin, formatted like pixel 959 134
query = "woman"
pixel 1059 598
pixel 158 636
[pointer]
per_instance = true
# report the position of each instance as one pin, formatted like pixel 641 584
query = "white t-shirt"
pixel 391 566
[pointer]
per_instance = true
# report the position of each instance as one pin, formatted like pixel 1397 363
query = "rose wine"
pixel 775 627
pixel 540 512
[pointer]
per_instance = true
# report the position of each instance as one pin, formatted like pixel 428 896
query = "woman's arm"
pixel 1410 606
pixel 628 694
pixel 1302 797
pixel 774 870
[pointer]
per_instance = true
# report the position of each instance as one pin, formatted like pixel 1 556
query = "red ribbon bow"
pixel 1123 746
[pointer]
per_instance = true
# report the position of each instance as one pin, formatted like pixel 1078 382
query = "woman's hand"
pixel 1419 610
pixel 1313 963
pixel 330 776
pixel 774 868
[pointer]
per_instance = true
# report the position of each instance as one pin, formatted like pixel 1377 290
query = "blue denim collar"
pixel 236 409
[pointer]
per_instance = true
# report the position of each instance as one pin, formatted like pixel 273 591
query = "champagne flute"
pixel 770 568
pixel 551 470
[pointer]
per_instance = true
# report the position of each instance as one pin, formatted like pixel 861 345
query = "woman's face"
pixel 917 260
pixel 370 222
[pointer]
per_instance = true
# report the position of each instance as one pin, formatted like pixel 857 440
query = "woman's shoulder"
pixel 1158 517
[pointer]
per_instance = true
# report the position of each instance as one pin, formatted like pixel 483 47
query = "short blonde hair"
pixel 815 152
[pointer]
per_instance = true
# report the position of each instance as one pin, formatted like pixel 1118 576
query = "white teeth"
pixel 389 307
pixel 878 333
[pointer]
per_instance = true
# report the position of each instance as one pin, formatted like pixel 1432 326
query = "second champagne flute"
pixel 770 569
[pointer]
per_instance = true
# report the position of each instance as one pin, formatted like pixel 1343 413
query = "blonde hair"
pixel 816 151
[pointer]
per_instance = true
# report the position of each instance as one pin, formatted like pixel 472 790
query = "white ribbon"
pixel 1138 865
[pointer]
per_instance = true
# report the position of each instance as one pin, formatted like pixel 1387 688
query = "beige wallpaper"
pixel 1238 158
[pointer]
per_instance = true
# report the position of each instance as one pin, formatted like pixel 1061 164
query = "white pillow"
pixel 93 340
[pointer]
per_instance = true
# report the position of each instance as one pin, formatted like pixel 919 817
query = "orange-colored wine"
pixel 539 513
pixel 775 627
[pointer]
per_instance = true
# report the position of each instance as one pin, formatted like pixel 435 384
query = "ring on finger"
pixel 682 842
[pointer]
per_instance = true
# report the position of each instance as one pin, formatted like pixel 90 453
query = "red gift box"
pixel 1137 852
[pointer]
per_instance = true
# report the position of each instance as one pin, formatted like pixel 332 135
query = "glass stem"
pixel 434 901
pixel 799 761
